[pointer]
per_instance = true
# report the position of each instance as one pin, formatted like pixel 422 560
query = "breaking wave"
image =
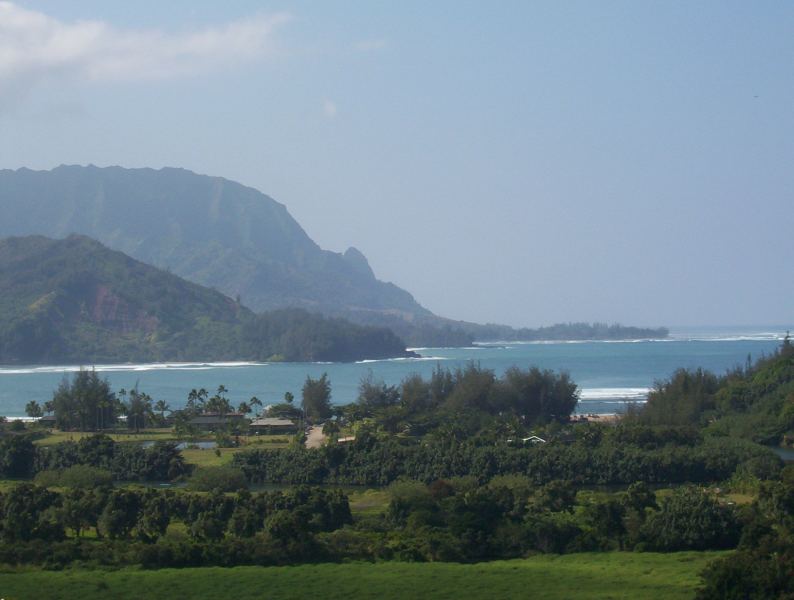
pixel 402 359
pixel 128 367
pixel 618 395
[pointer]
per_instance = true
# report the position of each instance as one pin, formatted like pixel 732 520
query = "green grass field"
pixel 608 575
pixel 207 457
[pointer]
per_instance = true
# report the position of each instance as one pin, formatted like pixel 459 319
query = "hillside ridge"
pixel 77 300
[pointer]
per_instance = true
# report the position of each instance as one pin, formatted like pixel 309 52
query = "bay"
pixel 609 374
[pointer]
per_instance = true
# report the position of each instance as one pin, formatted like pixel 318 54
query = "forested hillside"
pixel 75 300
pixel 755 401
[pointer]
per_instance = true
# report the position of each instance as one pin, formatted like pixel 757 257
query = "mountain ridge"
pixel 211 230
pixel 231 237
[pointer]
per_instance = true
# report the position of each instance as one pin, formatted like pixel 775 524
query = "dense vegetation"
pixel 433 331
pixel 448 520
pixel 21 458
pixel 565 331
pixel 464 403
pixel 468 422
pixel 260 528
pixel 597 457
pixel 75 300
pixel 753 402
pixel 455 519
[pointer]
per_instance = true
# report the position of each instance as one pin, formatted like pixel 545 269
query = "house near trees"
pixel 271 425
pixel 216 421
pixel 47 421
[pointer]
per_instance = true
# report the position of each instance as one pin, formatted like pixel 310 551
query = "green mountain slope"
pixel 76 300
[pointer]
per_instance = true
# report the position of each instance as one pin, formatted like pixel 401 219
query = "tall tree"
pixel 316 401
pixel 161 406
pixel 219 403
pixel 196 401
pixel 139 410
pixel 85 403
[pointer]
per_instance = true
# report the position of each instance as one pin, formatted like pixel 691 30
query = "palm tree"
pixel 102 405
pixel 162 407
pixel 219 404
pixel 254 401
pixel 33 409
pixel 139 410
pixel 196 400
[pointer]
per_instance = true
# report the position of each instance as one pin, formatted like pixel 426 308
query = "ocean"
pixel 609 374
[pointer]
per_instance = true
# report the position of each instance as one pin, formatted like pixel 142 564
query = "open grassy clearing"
pixel 600 576
pixel 208 457
pixel 368 503
pixel 740 498
pixel 7 484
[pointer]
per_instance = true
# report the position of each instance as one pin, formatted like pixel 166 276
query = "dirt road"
pixel 315 437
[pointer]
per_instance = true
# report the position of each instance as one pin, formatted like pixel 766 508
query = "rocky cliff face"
pixel 107 309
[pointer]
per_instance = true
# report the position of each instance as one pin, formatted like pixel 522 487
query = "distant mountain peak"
pixel 358 261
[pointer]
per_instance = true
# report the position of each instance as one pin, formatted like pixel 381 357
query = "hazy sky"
pixel 517 162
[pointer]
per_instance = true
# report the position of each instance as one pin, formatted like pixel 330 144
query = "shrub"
pixel 225 479
pixel 77 476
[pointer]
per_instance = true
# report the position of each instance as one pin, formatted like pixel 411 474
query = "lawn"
pixel 593 575
pixel 208 457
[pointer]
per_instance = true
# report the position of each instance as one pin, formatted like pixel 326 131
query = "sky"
pixel 514 162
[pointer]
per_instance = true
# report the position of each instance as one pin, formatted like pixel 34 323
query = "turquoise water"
pixel 609 374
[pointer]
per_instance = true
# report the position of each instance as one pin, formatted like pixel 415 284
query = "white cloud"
pixel 329 109
pixel 35 46
pixel 371 45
